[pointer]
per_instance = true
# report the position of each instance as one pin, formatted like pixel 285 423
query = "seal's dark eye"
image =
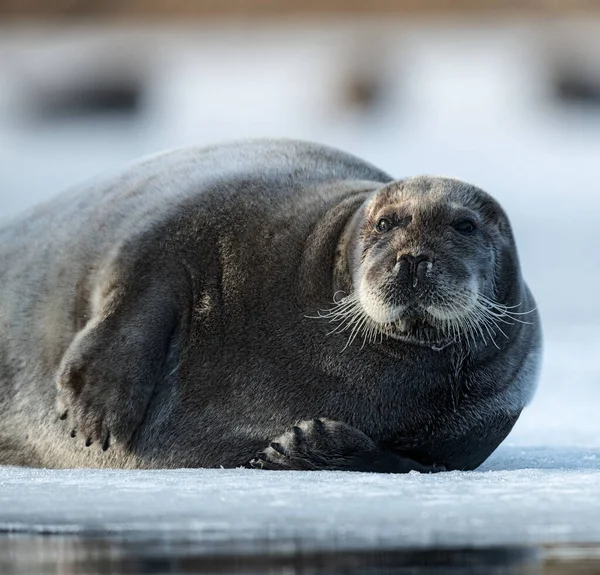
pixel 465 227
pixel 384 225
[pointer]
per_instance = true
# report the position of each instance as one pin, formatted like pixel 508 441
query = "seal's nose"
pixel 413 269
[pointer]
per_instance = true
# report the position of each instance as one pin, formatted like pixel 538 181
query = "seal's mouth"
pixel 409 324
pixel 415 329
pixel 475 322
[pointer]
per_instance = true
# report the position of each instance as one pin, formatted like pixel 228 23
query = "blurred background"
pixel 505 95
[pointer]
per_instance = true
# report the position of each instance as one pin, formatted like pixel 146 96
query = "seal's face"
pixel 424 259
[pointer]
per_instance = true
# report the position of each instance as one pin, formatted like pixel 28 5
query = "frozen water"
pixel 521 496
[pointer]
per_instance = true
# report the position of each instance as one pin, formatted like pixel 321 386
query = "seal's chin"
pixel 416 329
pixel 429 318
pixel 410 323
pixel 372 320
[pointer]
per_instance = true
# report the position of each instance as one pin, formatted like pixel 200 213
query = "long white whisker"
pixel 505 308
pixel 356 329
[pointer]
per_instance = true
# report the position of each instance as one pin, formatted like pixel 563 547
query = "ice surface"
pixel 521 496
pixel 543 484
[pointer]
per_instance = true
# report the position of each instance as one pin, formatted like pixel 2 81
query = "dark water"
pixel 70 555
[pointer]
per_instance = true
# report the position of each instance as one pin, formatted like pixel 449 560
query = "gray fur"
pixel 168 315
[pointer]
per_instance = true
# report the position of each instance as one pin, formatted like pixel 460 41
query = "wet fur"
pixel 165 313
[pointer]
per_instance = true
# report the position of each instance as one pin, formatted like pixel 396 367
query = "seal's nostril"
pixel 405 267
pixel 406 258
pixel 413 260
pixel 413 269
pixel 422 268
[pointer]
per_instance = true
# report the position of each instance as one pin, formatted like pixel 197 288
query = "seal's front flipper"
pixel 109 372
pixel 332 445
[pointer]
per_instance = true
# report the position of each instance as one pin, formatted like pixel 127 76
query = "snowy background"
pixel 513 107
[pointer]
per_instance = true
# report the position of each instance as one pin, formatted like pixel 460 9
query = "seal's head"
pixel 432 261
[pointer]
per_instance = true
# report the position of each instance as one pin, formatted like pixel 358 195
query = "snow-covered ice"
pixel 521 496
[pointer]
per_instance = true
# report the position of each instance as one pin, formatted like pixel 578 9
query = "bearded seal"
pixel 270 304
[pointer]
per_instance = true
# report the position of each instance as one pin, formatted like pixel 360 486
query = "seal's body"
pixel 180 314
